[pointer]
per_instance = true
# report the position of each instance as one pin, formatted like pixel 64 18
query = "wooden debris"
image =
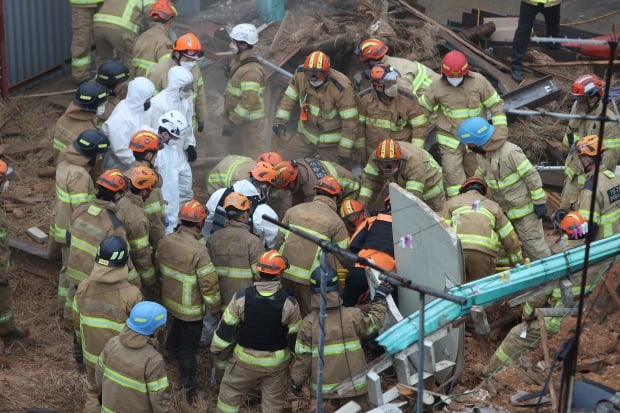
pixel 11 129
pixel 37 235
pixel 22 148
pixel 46 172
pixel 545 346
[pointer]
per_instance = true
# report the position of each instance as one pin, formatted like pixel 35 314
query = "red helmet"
pixel 388 150
pixel 454 64
pixel 474 183
pixel 272 158
pixel 587 85
pixel 316 65
pixel 371 49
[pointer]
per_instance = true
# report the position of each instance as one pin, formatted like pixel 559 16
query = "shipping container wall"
pixel 38 37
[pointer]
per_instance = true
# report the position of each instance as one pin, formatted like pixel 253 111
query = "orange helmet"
pixel 189 46
pixel 388 150
pixel 329 185
pixel 192 211
pixel 144 141
pixel 381 73
pixel 588 145
pixel 587 85
pixel 271 262
pixel 316 65
pixel 264 172
pixel 5 170
pixel 574 225
pixel 286 173
pixel 352 213
pixel 474 183
pixel 272 158
pixel 454 64
pixel 142 177
pixel 163 10
pixel 371 49
pixel 113 180
pixel 237 201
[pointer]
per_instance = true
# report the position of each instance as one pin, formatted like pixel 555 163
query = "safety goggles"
pixel 388 166
pixel 192 54
pixel 315 74
pixel 187 88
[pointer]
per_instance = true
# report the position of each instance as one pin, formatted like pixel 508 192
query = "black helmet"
pixel 112 252
pixel 90 95
pixel 91 142
pixel 331 280
pixel 111 73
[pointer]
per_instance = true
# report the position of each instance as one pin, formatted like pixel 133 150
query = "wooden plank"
pixel 28 247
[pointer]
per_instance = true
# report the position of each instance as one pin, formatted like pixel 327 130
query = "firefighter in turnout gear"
pixel 263 321
pixel 101 305
pixel 131 212
pixel 131 374
pixel 327 124
pixel 389 109
pixel 186 51
pixel 344 328
pixel 154 45
pixel 374 51
pixel 319 217
pixel 113 76
pixel 233 168
pixel 74 188
pixel 588 90
pixel 7 321
pixel 244 103
pixel 460 94
pixel 189 288
pixel 482 227
pixel 82 12
pixel 81 114
pixel 407 165
pixel 516 186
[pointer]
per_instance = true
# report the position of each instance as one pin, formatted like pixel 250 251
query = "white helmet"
pixel 174 122
pixel 245 32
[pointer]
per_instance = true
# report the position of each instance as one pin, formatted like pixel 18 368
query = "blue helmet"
pixel 475 131
pixel 146 317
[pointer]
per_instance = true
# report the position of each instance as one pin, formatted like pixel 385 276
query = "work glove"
pixel 382 291
pixel 191 153
pixel 540 210
pixel 296 389
pixel 201 126
pixel 557 217
pixel 278 129
pixel 345 162
pixel 228 129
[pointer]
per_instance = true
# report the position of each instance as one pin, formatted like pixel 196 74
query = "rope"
pixel 611 13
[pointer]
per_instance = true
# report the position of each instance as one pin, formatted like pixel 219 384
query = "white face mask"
pixel 455 81
pixel 233 48
pixel 391 91
pixel 173 141
pixel 100 110
pixel 185 95
pixel 317 83
pixel 188 64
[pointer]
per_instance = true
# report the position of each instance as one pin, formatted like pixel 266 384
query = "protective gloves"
pixel 540 210
pixel 191 153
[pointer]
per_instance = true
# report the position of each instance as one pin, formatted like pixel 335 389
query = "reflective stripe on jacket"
pixel 122 13
pixel 244 92
pixel 607 204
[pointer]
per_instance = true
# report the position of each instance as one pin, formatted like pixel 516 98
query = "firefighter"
pixel 263 320
pixel 516 186
pixel 460 94
pixel 112 75
pixel 371 239
pixel 319 217
pixel 327 124
pixel 300 176
pixel 141 181
pixel 234 249
pixel 186 51
pixel 74 188
pixel 82 12
pixel 130 373
pixel 243 99
pixel 389 109
pixel 81 114
pixel 374 51
pixel 407 165
pixel 588 90
pixel 233 168
pixel 344 328
pixel 189 288
pixel 8 330
pixel 129 116
pixel 116 26
pixel 482 227
pixel 101 305
pixel 145 145
pixel 154 45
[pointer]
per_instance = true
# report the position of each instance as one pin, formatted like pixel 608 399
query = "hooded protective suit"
pixel 172 161
pixel 127 119
pixel 260 227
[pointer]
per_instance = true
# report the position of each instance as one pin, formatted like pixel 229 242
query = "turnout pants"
pixel 478 264
pixel 91 405
pixel 302 294
pixel 527 15
pixel 530 231
pixel 110 39
pixel 299 147
pixel 183 342
pixel 248 139
pixel 82 25
pixel 457 164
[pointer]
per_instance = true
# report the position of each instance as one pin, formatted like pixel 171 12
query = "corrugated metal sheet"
pixel 187 7
pixel 38 36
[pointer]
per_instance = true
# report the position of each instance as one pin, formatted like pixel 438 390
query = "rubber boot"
pixel 187 368
pixel 78 355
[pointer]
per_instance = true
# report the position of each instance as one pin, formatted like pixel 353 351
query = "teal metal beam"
pixel 493 288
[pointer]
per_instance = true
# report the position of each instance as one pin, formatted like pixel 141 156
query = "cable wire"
pixel 611 13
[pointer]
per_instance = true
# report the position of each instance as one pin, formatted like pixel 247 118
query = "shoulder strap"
pixel 115 221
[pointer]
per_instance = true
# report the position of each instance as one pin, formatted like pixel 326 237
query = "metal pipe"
pixel 525 112
pixel 567 40
pixel 275 67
